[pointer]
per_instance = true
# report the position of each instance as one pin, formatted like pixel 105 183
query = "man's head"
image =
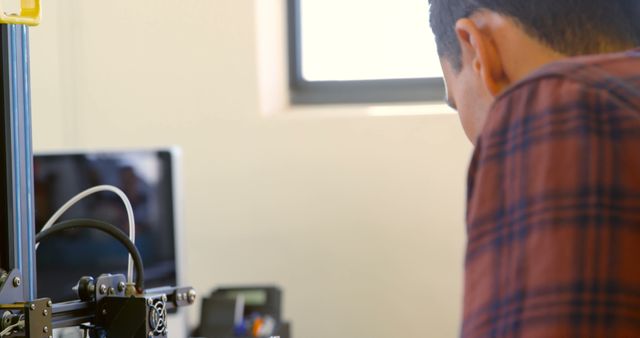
pixel 487 45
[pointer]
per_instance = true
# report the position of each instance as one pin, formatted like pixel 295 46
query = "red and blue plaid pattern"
pixel 554 205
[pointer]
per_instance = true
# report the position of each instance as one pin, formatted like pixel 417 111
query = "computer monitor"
pixel 147 177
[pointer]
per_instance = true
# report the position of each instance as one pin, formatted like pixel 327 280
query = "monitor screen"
pixel 146 177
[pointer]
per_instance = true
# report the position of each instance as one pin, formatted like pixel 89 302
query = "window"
pixel 362 51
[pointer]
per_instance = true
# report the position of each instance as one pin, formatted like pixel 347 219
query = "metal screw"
pixel 150 302
pixel 16 282
pixel 104 312
pixel 32 307
pixel 45 329
pixel 45 312
pixel 121 286
pixel 179 297
pixel 112 291
pixel 49 303
pixel 164 298
pixel 103 289
pixel 192 296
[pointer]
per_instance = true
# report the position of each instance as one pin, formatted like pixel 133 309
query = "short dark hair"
pixel 570 27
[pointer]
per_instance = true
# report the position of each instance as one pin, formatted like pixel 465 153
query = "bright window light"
pixel 345 40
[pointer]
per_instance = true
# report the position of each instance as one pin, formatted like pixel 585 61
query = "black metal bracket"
pixel 11 288
pixel 38 316
pixel 31 319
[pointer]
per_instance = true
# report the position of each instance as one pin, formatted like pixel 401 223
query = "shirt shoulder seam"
pixel 568 74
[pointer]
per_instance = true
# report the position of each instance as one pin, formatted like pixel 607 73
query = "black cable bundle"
pixel 107 228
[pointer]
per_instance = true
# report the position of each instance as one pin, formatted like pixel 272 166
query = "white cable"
pixel 10 328
pixel 82 195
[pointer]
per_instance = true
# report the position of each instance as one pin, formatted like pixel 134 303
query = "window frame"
pixel 304 92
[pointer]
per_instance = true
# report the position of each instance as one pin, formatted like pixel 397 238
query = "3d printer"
pixel 107 305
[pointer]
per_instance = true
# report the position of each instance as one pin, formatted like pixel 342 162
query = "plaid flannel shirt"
pixel 553 214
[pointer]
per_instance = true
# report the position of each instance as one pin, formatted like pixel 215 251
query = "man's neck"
pixel 526 55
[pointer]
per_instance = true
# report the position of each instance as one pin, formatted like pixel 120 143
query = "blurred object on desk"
pixel 243 312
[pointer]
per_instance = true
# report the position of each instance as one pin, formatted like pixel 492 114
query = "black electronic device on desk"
pixel 243 312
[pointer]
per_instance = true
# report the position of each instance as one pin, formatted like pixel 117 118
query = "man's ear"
pixel 479 51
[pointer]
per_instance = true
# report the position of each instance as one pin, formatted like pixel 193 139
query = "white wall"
pixel 358 218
